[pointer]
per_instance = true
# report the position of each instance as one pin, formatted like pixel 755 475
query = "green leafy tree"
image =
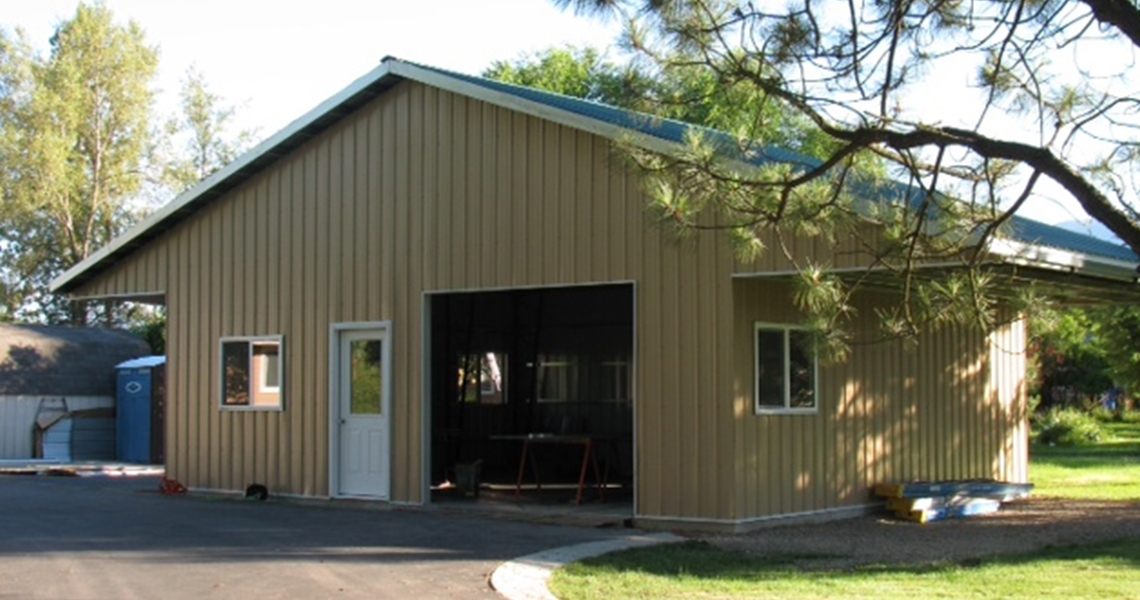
pixel 200 135
pixel 1081 353
pixel 1071 356
pixel 1121 340
pixel 75 129
pixel 847 69
pixel 677 92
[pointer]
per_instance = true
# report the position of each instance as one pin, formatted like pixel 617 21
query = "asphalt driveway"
pixel 100 537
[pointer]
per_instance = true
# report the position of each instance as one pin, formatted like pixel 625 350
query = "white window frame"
pixel 621 369
pixel 567 366
pixel 249 341
pixel 786 409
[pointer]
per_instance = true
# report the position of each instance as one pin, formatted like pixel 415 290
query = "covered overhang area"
pixel 1014 269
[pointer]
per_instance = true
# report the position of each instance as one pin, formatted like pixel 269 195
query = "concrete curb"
pixel 525 578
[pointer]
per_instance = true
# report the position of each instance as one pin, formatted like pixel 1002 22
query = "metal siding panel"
pixel 651 459
pixel 549 215
pixel 263 306
pixel 273 267
pixel 429 200
pixel 218 263
pixel 705 403
pixel 402 202
pixel 408 469
pixel 374 273
pixel 323 300
pixel 443 169
pixel 186 431
pixel 725 401
pixel 517 159
pixel 360 273
pixel 281 291
pixel 600 225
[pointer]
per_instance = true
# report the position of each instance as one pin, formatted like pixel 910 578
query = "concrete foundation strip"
pixel 525 578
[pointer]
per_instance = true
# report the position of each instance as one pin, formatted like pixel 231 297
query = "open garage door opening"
pixel 532 397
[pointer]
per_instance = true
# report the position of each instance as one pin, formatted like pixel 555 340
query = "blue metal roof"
pixel 1035 232
pixel 666 129
pixel 1020 229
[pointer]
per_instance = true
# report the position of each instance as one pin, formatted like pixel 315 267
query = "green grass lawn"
pixel 1109 470
pixel 698 570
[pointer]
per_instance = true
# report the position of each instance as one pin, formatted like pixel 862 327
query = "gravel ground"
pixel 1019 527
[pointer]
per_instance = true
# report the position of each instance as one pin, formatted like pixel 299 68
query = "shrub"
pixel 1104 415
pixel 1067 427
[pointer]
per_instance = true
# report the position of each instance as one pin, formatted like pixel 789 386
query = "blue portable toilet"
pixel 140 409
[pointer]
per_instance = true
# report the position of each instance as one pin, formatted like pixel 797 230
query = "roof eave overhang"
pixel 1045 257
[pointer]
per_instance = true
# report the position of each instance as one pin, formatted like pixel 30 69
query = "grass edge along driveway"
pixel 697 569
pixel 1109 470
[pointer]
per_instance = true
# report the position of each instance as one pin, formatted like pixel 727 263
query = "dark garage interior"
pixel 537 382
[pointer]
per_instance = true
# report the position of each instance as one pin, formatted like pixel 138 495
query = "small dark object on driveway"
pixel 256 491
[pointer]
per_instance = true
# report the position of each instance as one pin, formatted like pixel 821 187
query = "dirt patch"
pixel 1019 527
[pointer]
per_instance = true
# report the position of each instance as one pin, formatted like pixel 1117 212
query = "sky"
pixel 275 60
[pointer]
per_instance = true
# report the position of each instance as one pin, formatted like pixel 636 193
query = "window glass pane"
pixel 770 367
pixel 267 354
pixel 801 369
pixel 557 379
pixel 235 373
pixel 482 378
pixel 266 377
pixel 366 377
pixel 615 381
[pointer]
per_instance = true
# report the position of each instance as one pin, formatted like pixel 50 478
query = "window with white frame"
pixel 557 378
pixel 614 380
pixel 251 373
pixel 785 369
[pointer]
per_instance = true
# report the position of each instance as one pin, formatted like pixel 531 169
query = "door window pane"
pixel 365 377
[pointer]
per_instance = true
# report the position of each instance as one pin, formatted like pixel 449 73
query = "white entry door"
pixel 363 406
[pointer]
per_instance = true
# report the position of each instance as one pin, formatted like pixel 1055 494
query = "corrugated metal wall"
pixel 950 407
pixel 18 419
pixel 423 190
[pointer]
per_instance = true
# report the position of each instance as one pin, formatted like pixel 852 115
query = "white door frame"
pixel 335 329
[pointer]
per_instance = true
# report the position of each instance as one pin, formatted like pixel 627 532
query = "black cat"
pixel 256 491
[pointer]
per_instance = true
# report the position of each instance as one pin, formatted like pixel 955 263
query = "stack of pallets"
pixel 926 501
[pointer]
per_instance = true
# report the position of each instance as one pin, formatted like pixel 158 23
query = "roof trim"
pixel 391 69
pixel 1048 257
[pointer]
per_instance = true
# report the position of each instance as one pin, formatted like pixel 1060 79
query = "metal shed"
pixel 48 371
